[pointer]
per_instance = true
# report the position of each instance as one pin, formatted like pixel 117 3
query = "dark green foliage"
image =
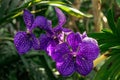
pixel 36 65
pixel 109 40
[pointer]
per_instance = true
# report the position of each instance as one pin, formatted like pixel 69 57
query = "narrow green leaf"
pixel 111 22
pixel 69 10
pixel 25 62
pixel 107 46
pixel 107 69
pixel 72 11
pixel 118 2
pixel 47 68
pixel 14 13
pixel 115 47
pixel 115 70
pixel 102 35
pixel 118 26
pixel 59 4
pixel 13 5
pixel 3 7
pixel 49 2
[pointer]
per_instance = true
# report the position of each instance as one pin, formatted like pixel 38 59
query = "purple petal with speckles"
pixel 89 40
pixel 43 23
pixel 57 29
pixel 89 50
pixel 44 41
pixel 73 40
pixel 28 19
pixel 35 42
pixel 67 67
pixel 61 52
pixel 83 66
pixel 22 42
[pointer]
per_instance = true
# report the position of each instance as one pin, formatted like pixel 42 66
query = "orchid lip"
pixel 28 31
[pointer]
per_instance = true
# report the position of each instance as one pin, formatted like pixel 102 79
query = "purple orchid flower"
pixel 24 41
pixel 76 54
pixel 58 33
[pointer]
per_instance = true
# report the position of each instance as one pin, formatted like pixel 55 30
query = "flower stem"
pixel 47 68
pixel 101 58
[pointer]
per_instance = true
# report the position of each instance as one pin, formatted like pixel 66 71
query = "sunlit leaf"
pixel 59 4
pixel 69 10
pixel 118 2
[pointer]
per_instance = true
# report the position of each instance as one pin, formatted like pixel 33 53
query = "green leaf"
pixel 110 69
pixel 107 31
pixel 116 47
pixel 72 11
pixel 14 13
pixel 107 46
pixel 18 11
pixel 69 10
pixel 98 35
pixel 3 7
pixel 106 40
pixel 47 68
pixel 118 2
pixel 118 26
pixel 111 22
pixel 24 62
pixel 13 5
pixel 102 36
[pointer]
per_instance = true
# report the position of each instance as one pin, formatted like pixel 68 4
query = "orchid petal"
pixel 35 42
pixel 89 50
pixel 44 40
pixel 22 42
pixel 28 19
pixel 60 52
pixel 83 66
pixel 73 40
pixel 43 23
pixel 89 40
pixel 61 17
pixel 67 67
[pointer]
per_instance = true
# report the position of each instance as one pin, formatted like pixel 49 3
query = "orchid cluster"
pixel 72 52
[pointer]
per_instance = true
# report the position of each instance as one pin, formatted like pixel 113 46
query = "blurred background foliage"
pixel 99 18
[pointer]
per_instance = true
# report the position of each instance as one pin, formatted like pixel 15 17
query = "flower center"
pixel 28 31
pixel 74 56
